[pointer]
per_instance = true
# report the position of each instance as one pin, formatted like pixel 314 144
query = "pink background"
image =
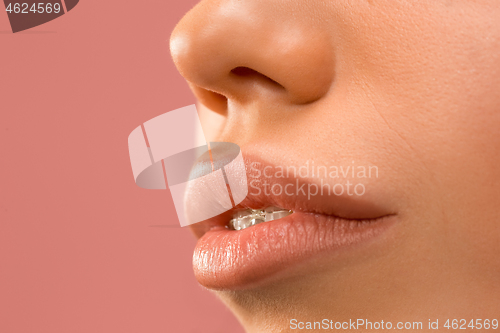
pixel 77 250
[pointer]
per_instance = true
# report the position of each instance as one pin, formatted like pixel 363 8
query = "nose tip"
pixel 238 50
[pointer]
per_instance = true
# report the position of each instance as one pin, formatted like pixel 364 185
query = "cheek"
pixel 444 107
pixel 433 77
pixel 421 102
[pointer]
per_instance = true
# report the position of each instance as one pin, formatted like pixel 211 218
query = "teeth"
pixel 243 219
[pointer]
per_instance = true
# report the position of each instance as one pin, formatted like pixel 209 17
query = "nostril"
pixel 212 100
pixel 245 72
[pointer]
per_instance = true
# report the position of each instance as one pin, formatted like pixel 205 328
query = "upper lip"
pixel 350 207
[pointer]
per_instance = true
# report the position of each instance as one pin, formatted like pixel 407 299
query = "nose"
pixel 243 50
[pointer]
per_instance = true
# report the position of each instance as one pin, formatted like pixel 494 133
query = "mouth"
pixel 270 232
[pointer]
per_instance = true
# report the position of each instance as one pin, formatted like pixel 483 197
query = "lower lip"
pixel 227 259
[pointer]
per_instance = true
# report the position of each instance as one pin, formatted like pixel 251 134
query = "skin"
pixel 412 87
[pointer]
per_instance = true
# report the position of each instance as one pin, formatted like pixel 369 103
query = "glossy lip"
pixel 229 260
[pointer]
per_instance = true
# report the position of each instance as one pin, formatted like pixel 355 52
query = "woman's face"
pixel 410 87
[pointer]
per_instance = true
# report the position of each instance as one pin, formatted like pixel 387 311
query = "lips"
pixel 320 226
